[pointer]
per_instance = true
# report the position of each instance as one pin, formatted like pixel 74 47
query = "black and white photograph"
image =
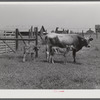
pixel 53 45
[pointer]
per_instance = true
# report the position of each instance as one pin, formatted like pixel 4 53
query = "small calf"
pixel 50 52
pixel 28 49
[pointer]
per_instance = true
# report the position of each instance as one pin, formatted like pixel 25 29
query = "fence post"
pixel 82 33
pixel 29 36
pixel 31 30
pixel 36 42
pixel 96 35
pixel 16 36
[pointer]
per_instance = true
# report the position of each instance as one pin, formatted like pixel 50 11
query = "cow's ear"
pixel 90 39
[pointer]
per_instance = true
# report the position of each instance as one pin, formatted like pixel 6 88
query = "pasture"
pixel 39 74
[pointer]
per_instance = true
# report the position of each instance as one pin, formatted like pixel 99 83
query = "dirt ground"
pixel 39 74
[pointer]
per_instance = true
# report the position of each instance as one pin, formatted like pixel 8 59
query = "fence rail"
pixel 17 39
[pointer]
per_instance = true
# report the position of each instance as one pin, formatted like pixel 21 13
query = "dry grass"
pixel 38 74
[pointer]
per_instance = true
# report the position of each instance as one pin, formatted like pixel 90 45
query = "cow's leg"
pixel 74 55
pixel 47 56
pixel 52 51
pixel 47 53
pixel 66 53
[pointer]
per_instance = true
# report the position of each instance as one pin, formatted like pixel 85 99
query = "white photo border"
pixel 54 93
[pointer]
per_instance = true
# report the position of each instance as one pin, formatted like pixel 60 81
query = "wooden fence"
pixel 9 41
pixel 4 48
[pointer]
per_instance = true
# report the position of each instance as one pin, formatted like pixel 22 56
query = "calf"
pixel 56 50
pixel 29 48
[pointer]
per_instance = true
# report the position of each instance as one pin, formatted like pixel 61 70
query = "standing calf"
pixel 56 50
pixel 29 48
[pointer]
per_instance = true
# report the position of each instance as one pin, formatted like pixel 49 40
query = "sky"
pixel 69 15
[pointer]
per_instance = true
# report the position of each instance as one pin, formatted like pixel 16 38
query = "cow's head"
pixel 87 41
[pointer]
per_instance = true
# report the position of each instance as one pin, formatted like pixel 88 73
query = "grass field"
pixel 38 74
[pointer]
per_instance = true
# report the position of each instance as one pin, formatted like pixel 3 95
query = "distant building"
pixel 71 32
pixel 61 31
pixel 97 28
pixel 41 31
pixel 90 31
pixel 58 30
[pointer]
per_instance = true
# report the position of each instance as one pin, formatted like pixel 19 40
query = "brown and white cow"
pixel 68 41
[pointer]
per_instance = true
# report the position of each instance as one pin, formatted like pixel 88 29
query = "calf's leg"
pixel 51 60
pixel 24 57
pixel 65 60
pixel 32 56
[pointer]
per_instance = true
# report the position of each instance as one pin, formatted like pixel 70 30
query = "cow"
pixel 74 42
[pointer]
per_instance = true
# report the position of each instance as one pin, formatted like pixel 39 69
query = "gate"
pixel 7 46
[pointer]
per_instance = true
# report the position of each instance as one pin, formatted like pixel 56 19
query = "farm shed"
pixel 90 31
